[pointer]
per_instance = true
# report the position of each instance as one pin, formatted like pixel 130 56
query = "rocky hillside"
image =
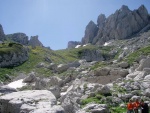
pixel 68 82
pixel 123 24
pixel 87 78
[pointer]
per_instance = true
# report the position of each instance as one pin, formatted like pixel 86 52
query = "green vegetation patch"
pixel 7 48
pixel 133 56
pixel 118 110
pixel 99 64
pixel 89 100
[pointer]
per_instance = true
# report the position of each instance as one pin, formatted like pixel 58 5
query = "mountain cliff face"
pixel 123 24
pixel 2 35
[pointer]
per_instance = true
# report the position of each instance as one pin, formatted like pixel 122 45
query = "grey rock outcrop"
pixel 73 44
pixel 31 101
pixel 2 35
pixel 91 55
pixel 90 32
pixel 121 25
pixel 34 41
pixel 102 71
pixel 6 89
pixel 144 63
pixel 21 38
pixel 101 21
pixel 15 56
pixel 30 78
pixel 94 108
pixel 62 67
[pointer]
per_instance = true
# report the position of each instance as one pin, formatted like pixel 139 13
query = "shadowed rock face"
pixel 2 35
pixel 121 25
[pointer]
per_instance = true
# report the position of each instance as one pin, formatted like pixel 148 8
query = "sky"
pixel 56 22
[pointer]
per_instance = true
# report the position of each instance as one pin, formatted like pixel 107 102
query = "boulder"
pixel 140 76
pixel 132 75
pixel 147 77
pixel 102 71
pixel 123 64
pixel 7 89
pixel 30 78
pixel 94 108
pixel 35 101
pixel 125 97
pixel 147 92
pixel 46 83
pixel 123 72
pixel 103 90
pixel 52 66
pixel 69 102
pixel 74 64
pixel 54 80
pixel 147 70
pixel 55 90
pixel 135 97
pixel 119 72
pixel 62 67
pixel 144 63
pixel 41 65
pixel 91 55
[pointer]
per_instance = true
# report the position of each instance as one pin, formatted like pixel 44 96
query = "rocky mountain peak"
pixel 101 20
pixel 90 32
pixel 123 24
pixel 124 8
pixel 34 41
pixel 2 35
pixel 142 11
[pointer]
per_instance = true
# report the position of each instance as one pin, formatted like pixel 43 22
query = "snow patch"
pixel 77 46
pixel 107 43
pixel 125 48
pixel 17 84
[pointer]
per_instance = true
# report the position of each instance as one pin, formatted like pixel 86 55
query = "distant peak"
pixel 142 7
pixel 124 8
pixel 91 22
